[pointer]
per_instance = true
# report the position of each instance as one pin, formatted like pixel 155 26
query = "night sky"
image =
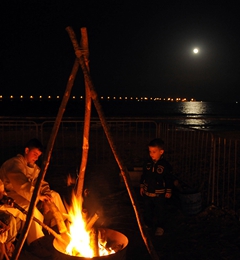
pixel 137 48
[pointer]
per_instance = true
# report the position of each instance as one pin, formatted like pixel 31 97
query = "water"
pixel 204 115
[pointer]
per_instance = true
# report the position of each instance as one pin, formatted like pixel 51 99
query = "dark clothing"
pixel 156 177
pixel 154 211
pixel 156 181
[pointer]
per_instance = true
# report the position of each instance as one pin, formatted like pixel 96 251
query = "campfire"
pixel 83 240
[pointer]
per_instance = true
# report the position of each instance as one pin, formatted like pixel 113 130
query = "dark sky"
pixel 139 48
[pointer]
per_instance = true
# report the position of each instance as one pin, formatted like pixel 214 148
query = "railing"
pixel 202 161
pixel 13 136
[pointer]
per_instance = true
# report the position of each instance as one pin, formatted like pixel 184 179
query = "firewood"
pixel 94 241
pixel 91 222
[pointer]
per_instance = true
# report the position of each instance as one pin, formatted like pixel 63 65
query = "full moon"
pixel 195 50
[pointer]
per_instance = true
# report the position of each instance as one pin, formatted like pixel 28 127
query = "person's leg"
pixel 160 210
pixel 148 211
pixel 39 244
pixel 160 213
pixel 54 212
pixel 35 230
pixel 56 198
pixel 15 228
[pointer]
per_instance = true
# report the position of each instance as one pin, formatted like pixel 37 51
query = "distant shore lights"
pixel 114 98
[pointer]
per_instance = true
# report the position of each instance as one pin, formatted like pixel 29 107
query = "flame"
pixel 80 238
pixel 80 244
pixel 70 180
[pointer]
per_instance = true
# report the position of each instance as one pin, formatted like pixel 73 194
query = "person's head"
pixel 156 149
pixel 33 150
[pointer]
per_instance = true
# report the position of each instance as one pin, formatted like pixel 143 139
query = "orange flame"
pixel 70 180
pixel 80 239
pixel 79 244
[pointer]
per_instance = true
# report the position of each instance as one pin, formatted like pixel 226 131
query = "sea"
pixel 224 116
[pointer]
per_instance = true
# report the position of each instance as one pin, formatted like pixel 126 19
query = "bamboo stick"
pixel 46 160
pixel 123 169
pixel 87 117
pixel 85 147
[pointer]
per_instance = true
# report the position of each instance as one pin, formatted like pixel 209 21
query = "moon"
pixel 195 50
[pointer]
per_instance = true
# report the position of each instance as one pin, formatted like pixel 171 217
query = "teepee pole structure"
pixel 124 171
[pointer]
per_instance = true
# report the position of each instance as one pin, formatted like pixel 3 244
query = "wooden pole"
pixel 87 117
pixel 46 160
pixel 123 169
pixel 85 148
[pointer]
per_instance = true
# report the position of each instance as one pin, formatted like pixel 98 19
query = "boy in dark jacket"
pixel 156 186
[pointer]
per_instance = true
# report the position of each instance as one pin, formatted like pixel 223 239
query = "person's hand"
pixel 168 195
pixel 141 191
pixel 45 197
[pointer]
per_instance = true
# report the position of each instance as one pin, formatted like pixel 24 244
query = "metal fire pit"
pixel 114 239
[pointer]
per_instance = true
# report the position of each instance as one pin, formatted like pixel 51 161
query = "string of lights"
pixel 31 97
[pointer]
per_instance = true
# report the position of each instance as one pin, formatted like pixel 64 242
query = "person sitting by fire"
pixel 19 175
pixel 156 186
pixel 9 228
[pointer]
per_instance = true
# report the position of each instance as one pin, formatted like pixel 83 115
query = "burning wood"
pixel 79 229
pixel 92 221
pixel 82 239
pixel 94 241
pixel 110 243
pixel 93 234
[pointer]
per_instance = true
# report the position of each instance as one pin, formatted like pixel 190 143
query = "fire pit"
pixel 114 240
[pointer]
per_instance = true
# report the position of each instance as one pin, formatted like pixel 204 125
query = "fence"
pixel 201 160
